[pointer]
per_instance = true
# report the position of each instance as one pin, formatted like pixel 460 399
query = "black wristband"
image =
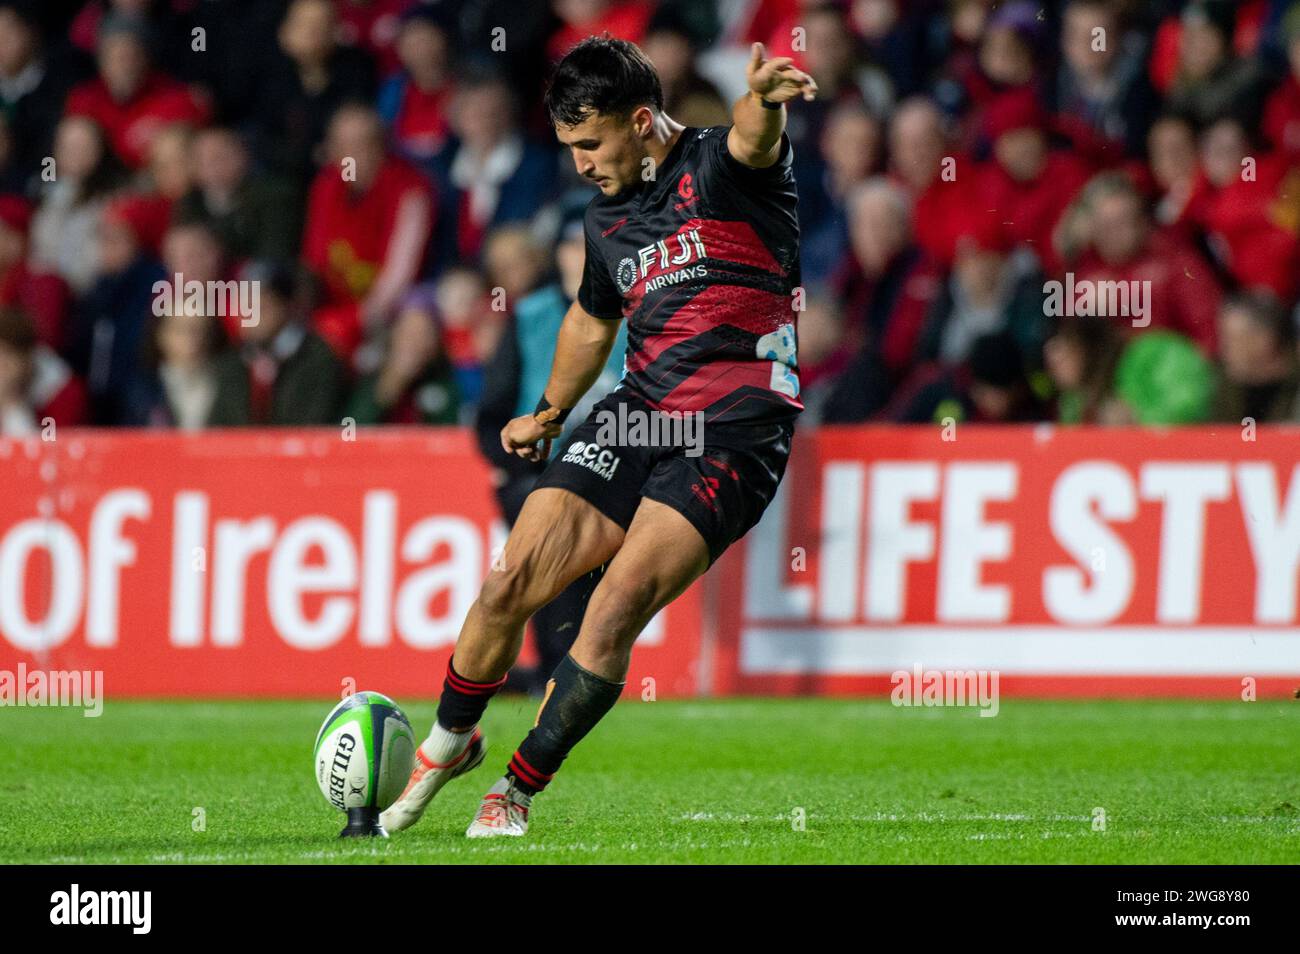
pixel 558 415
pixel 768 104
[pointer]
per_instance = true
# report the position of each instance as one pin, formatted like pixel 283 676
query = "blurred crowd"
pixel 384 171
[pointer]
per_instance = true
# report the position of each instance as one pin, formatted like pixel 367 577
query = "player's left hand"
pixel 777 80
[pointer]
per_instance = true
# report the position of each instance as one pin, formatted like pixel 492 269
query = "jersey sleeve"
pixel 597 294
pixel 725 171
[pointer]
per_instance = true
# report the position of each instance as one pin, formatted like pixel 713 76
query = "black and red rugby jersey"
pixel 702 262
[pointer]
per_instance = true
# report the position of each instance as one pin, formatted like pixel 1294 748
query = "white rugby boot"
pixel 427 779
pixel 503 811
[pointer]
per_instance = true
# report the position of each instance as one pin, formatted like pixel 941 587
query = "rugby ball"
pixel 364 753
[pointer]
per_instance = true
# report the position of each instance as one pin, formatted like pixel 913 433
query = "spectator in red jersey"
pixel 415 102
pixel 624 19
pixel 1103 100
pixel 1250 210
pixel 42 295
pixel 937 180
pixel 372 26
pixel 37 387
pixel 369 219
pixel 1281 125
pixel 1212 82
pixel 1108 236
pixel 1027 184
pixel 498 175
pixel 1175 171
pixel 1259 376
pixel 888 286
pixel 310 77
pixel 66 220
pixel 130 99
pixel 1007 61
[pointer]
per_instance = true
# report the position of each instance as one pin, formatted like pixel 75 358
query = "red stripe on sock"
pixel 529 774
pixel 468 686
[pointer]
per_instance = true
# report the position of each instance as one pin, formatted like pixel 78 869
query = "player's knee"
pixel 621 606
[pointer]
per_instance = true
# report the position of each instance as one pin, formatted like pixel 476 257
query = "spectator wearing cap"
pixel 41 294
pixel 369 220
pixel 920 155
pixel 1108 236
pixel 1249 207
pixel 1028 183
pixel 1103 100
pixel 306 81
pixel 497 174
pixel 1281 125
pixel 129 98
pixel 1161 380
pixel 31 91
pixel 67 217
pixel 110 321
pixel 252 215
pixel 1259 374
pixel 36 385
pixel 289 375
pixel 1212 82
pixel 415 102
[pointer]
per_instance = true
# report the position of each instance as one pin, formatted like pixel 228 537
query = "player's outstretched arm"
pixel 755 137
pixel 581 350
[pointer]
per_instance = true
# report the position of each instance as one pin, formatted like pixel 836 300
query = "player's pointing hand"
pixel 777 80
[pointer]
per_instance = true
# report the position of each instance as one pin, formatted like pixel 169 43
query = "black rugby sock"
pixel 575 701
pixel 463 700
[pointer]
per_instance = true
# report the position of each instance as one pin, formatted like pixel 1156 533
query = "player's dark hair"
pixel 602 74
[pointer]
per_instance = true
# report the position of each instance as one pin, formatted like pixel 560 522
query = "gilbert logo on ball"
pixel 364 754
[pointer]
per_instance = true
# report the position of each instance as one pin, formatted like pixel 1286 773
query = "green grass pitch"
pixel 721 781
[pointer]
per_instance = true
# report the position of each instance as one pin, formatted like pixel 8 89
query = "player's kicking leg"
pixel 661 555
pixel 557 538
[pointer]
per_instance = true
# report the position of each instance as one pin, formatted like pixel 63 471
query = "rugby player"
pixel 694 241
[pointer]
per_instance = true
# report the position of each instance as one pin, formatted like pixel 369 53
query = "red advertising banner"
pixel 268 563
pixel 1070 561
pixel 283 563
